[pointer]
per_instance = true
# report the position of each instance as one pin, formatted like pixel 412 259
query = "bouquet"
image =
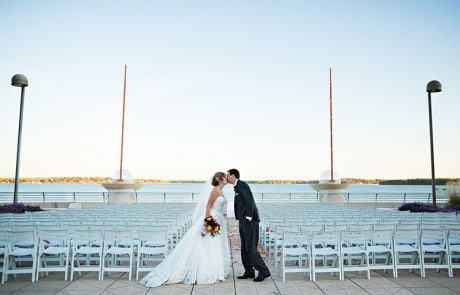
pixel 211 226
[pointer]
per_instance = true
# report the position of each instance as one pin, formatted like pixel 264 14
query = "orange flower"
pixel 212 226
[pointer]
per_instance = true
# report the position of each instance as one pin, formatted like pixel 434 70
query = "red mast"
pixel 330 124
pixel 120 178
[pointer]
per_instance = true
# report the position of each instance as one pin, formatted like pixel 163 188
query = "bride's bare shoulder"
pixel 216 191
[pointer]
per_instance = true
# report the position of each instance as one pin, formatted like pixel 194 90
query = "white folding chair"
pixel 454 248
pixel 20 254
pixel 53 251
pixel 326 247
pixel 406 245
pixel 431 225
pixel 312 227
pixel 275 250
pixel 434 252
pixel 153 245
pixel 384 226
pixel 380 248
pixel 264 229
pixel 353 247
pixel 23 225
pixel 405 224
pixel 269 236
pixel 454 225
pixel 102 227
pixel 118 252
pixel 296 253
pixel 86 251
pixel 454 239
pixel 360 226
pixel 2 247
pixel 48 225
pixel 335 227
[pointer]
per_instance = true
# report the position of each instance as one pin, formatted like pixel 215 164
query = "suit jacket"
pixel 244 202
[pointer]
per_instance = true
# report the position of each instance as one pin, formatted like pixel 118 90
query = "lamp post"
pixel 432 86
pixel 19 80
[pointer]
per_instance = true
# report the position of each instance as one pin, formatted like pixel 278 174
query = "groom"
pixel 248 216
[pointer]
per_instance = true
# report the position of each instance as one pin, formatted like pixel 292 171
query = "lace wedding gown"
pixel 196 259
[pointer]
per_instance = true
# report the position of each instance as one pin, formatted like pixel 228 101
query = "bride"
pixel 198 259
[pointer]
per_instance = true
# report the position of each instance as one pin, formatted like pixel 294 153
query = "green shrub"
pixel 453 192
pixel 454 200
pixel 18 208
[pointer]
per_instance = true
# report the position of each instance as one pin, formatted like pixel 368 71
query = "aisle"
pixel 247 286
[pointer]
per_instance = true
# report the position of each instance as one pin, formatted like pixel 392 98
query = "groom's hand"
pixel 249 218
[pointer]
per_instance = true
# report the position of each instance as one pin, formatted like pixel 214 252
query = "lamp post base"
pixel 332 193
pixel 121 193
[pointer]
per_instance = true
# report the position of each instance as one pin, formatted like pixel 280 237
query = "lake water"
pixel 281 189
pixel 189 191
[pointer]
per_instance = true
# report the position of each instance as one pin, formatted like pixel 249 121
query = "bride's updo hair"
pixel 217 178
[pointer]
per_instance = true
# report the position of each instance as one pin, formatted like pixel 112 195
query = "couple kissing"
pixel 248 217
pixel 202 256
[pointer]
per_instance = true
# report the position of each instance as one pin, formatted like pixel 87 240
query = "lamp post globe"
pixel 432 86
pixel 19 80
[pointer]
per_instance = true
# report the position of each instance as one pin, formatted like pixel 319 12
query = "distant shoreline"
pixel 100 180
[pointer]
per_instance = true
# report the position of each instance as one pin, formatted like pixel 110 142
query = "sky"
pixel 214 85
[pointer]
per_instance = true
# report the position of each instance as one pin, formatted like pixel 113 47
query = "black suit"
pixel 249 230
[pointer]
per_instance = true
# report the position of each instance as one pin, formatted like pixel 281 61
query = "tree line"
pixel 419 181
pixel 86 180
pixel 99 180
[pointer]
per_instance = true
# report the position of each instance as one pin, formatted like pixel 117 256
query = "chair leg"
pixel 5 269
pixel 100 266
pixel 72 266
pixel 451 271
pixel 422 264
pixel 137 266
pixel 34 267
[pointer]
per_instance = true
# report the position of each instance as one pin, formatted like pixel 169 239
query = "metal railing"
pixel 393 198
pixel 55 197
pixel 171 197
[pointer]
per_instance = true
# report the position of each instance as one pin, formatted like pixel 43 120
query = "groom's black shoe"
pixel 261 277
pixel 246 276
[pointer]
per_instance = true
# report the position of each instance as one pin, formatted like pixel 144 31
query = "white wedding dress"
pixel 196 259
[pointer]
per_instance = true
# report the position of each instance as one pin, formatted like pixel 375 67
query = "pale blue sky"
pixel 214 85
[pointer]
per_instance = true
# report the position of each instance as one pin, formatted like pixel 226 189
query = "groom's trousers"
pixel 250 256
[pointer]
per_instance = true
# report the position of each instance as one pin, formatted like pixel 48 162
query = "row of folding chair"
pixel 312 252
pixel 271 236
pixel 150 210
pixel 116 212
pixel 97 250
pixel 273 239
pixel 327 213
pixel 175 233
pixel 174 218
pixel 352 220
pixel 268 236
